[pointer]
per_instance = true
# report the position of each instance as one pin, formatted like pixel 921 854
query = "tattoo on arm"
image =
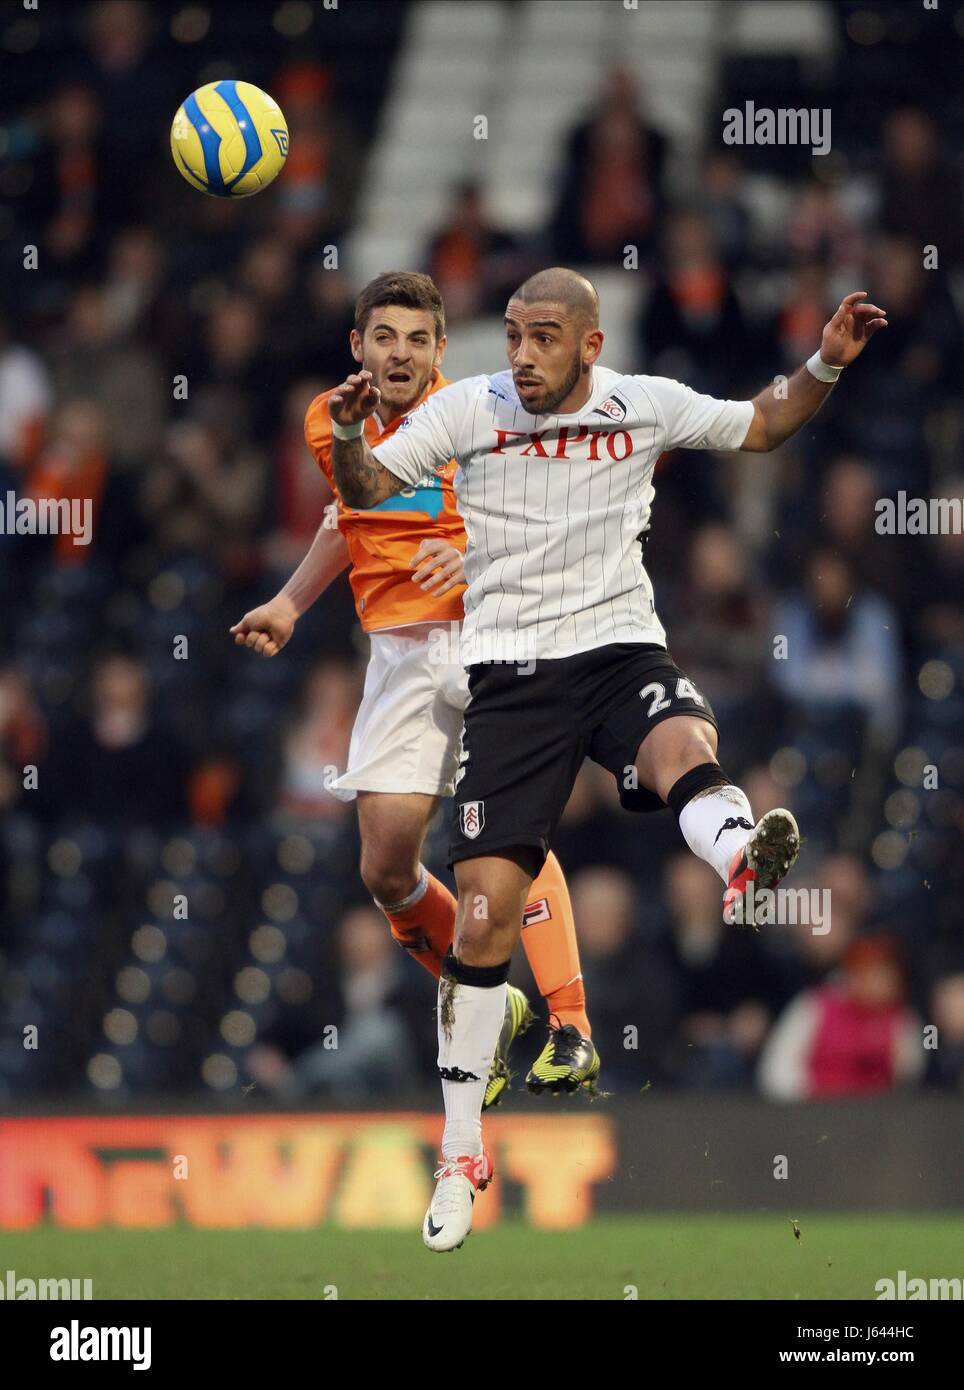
pixel 362 480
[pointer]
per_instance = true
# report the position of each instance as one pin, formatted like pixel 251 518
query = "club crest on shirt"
pixel 613 407
pixel 471 818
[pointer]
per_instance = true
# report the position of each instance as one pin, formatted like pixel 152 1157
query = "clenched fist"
pixel 267 629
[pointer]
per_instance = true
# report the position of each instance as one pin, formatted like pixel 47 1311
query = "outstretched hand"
pixel 355 399
pixel 850 329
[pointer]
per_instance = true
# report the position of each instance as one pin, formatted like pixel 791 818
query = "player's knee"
pixel 385 880
pixel 483 921
pixel 699 747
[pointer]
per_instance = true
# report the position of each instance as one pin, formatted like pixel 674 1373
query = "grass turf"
pixel 665 1257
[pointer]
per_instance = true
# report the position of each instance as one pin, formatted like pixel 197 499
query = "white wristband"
pixel 354 431
pixel 822 370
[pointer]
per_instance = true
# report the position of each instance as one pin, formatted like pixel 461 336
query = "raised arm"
pixel 268 628
pixel 778 412
pixel 362 480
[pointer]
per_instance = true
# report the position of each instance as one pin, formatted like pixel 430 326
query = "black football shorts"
pixel 528 730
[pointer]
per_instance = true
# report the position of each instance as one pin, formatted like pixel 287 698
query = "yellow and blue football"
pixel 229 139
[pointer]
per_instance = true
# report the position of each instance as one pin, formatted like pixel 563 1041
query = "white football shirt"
pixel 554 504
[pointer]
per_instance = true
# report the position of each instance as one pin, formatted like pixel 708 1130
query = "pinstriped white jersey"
pixel 554 505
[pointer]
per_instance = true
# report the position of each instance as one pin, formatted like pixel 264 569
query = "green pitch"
pixel 664 1257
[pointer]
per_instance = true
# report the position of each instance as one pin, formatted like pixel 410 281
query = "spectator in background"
pixel 848 513
pixel 379 1012
pixel 69 183
pixel 267 277
pixel 138 302
pixel 801 958
pixel 802 314
pixel 611 193
pixel 25 399
pixel 726 999
pixel 720 201
pixel 475 265
pixel 119 765
pixel 233 352
pixel 629 984
pixel 301 491
pixel 205 493
pixel 842 646
pixel 821 232
pixel 946 1059
pixel 94 357
pixel 692 327
pixel 23 735
pixel 315 749
pixel 137 91
pixel 74 467
pixel 920 191
pixel 328 318
pixel 915 375
pixel 721 633
pixel 853 1036
pixel 315 196
pixel 942 617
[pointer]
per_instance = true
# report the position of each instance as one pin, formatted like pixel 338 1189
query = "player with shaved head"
pixel 566 656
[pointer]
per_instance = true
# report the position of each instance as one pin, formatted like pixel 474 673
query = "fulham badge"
pixel 471 818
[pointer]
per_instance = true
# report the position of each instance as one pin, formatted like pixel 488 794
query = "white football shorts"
pixel 407 735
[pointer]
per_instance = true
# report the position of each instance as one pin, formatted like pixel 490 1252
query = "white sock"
pixel 469 1020
pixel 717 824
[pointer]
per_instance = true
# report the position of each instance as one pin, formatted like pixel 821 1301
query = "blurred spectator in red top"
pixel 611 192
pixel 853 1036
pixel 475 265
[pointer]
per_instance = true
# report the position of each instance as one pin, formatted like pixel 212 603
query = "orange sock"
pixel 424 922
pixel 549 938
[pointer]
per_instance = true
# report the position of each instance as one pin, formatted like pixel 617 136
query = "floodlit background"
pixel 602 148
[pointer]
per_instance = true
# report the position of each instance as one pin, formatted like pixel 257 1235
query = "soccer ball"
pixel 229 139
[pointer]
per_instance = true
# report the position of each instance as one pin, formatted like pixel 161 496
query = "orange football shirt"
pixel 383 539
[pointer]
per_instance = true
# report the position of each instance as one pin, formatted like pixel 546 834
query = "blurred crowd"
pixel 179 895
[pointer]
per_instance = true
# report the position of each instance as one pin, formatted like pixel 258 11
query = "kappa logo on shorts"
pixel 471 818
pixel 537 911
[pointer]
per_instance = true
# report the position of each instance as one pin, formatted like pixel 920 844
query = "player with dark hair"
pixel 405 559
pixel 554 482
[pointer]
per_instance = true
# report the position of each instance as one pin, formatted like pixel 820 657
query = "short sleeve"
pixel 694 421
pixel 428 438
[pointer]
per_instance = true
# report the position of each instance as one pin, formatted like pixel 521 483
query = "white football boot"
pixel 449 1217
